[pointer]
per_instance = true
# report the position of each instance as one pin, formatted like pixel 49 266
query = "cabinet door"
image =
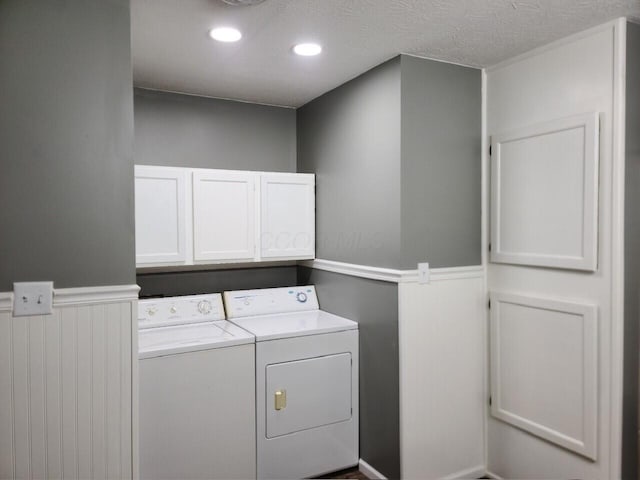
pixel 287 216
pixel 160 215
pixel 223 215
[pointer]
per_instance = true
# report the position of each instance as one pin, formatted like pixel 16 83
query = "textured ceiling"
pixel 172 51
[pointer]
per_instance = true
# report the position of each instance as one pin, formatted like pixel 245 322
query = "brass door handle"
pixel 280 399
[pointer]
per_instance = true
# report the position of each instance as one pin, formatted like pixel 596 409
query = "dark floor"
pixel 353 474
pixel 350 473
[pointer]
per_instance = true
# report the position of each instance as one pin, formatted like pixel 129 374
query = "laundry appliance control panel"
pixel 265 301
pixel 160 312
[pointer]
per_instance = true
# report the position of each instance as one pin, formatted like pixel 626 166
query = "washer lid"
pixel 294 324
pixel 155 342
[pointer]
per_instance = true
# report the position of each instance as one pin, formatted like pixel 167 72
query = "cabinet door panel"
pixel 160 215
pixel 287 216
pixel 223 215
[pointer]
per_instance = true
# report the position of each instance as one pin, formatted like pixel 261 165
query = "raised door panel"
pixel 287 216
pixel 223 216
pixel 544 184
pixel 544 368
pixel 160 215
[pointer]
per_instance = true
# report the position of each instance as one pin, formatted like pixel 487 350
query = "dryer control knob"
pixel 301 297
pixel 204 306
pixel 173 309
pixel 152 311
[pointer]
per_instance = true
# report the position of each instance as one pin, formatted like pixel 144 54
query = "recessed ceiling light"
pixel 225 34
pixel 307 49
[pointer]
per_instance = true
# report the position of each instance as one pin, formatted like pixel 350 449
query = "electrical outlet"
pixel 424 275
pixel 32 298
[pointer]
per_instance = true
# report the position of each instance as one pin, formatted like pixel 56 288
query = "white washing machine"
pixel 197 391
pixel 306 381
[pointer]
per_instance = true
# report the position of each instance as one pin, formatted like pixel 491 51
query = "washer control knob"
pixel 152 311
pixel 301 297
pixel 204 306
pixel 173 309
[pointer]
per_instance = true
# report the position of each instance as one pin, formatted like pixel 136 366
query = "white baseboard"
pixel 492 475
pixel 369 471
pixel 474 472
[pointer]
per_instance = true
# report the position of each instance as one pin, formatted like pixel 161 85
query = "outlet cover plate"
pixel 32 298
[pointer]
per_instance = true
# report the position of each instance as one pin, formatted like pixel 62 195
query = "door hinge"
pixel 489 304
pixel 489 150
pixel 490 401
pixel 489 247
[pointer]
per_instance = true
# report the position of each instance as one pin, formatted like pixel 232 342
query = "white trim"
pixel 92 295
pixel 492 475
pixel 484 221
pixel 473 472
pixel 369 471
pixel 393 275
pixel 6 301
pixel 81 296
pixel 617 246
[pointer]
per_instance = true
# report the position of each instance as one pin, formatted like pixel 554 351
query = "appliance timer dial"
pixel 301 297
pixel 204 307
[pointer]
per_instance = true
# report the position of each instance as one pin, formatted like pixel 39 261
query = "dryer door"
pixel 307 393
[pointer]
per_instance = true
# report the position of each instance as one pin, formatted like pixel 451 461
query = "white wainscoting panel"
pixel 544 368
pixel 66 390
pixel 442 390
pixel 544 194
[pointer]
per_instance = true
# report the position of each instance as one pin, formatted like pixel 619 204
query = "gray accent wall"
pixel 350 138
pixel 632 257
pixel 441 123
pixel 189 131
pixel 66 143
pixel 396 153
pixel 215 281
pixel 374 305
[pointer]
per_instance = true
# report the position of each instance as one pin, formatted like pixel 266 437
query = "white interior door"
pixel 160 215
pixel 223 215
pixel 287 216
pixel 552 269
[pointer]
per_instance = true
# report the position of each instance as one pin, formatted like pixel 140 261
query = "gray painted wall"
pixel 374 305
pixel 215 281
pixel 632 257
pixel 190 131
pixel 396 154
pixel 66 138
pixel 441 123
pixel 350 138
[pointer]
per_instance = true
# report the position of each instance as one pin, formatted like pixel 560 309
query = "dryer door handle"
pixel 280 399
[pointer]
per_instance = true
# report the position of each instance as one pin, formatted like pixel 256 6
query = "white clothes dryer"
pixel 197 391
pixel 306 381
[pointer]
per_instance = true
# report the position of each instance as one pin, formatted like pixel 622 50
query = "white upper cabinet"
pixel 223 215
pixel 160 215
pixel 204 216
pixel 287 215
